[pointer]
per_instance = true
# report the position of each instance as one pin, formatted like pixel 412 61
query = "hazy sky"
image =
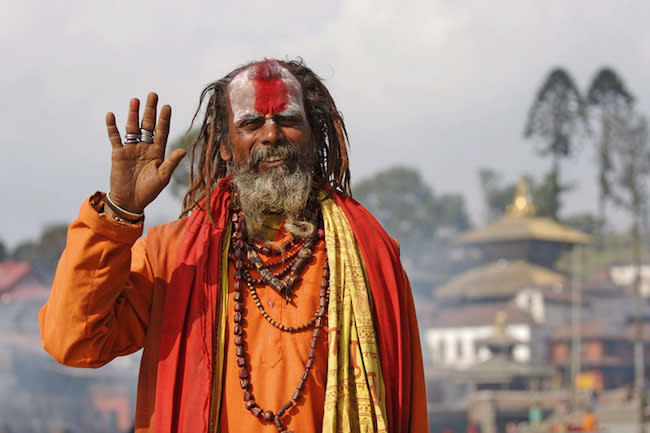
pixel 443 86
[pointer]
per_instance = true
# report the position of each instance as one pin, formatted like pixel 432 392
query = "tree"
pixel 497 196
pixel 586 222
pixel 43 254
pixel 407 207
pixel 631 161
pixel 610 99
pixel 556 120
pixel 3 251
pixel 547 195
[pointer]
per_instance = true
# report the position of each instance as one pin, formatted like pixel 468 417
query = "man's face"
pixel 265 116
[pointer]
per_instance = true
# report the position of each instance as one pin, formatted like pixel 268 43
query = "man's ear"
pixel 225 151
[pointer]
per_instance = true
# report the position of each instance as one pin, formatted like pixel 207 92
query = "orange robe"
pixel 107 300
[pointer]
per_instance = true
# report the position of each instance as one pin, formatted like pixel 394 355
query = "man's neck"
pixel 270 226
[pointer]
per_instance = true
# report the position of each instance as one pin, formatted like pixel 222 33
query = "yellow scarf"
pixel 354 394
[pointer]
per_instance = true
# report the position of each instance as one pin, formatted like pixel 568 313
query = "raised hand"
pixel 140 170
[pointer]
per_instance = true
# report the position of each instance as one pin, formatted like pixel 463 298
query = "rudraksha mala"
pixel 238 256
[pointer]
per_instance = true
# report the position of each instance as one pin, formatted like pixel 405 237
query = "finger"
pixel 113 133
pixel 162 128
pixel 133 123
pixel 149 116
pixel 170 163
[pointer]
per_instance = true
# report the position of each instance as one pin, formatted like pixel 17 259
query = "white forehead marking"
pixel 242 95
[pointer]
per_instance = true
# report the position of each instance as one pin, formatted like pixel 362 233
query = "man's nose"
pixel 271 132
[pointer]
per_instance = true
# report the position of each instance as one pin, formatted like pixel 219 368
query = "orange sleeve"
pixel 101 296
pixel 419 419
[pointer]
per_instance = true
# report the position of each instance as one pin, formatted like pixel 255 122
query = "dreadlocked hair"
pixel 330 138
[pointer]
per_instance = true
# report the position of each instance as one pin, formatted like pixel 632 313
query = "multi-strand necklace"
pixel 294 255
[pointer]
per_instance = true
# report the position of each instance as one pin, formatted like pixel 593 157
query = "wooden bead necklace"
pixel 241 273
pixel 284 284
pixel 288 261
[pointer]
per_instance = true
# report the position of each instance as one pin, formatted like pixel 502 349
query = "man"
pixel 276 302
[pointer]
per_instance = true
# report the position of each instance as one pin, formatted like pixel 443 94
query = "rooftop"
pixel 11 273
pixel 480 315
pixel 497 279
pixel 509 229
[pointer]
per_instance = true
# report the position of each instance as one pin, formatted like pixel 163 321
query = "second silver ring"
pixel 146 136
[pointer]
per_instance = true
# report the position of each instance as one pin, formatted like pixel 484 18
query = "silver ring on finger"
pixel 146 135
pixel 132 138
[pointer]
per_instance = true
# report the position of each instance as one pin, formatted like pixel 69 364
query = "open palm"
pixel 140 171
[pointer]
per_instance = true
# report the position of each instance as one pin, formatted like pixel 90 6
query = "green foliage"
pixel 611 100
pixel 547 195
pixel 611 249
pixel 496 195
pixel 407 207
pixel 43 254
pixel 586 222
pixel 608 92
pixel 557 115
pixel 3 251
pixel 557 120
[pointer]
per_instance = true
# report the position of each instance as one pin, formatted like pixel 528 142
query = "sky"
pixel 439 85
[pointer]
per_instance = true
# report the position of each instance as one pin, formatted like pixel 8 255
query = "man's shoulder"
pixel 166 232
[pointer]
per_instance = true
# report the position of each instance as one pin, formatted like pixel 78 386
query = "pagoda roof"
pixel 500 279
pixel 520 228
pixel 521 223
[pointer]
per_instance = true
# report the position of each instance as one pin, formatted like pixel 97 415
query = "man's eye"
pixel 288 120
pixel 250 123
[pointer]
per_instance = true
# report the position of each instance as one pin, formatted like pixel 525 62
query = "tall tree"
pixel 3 251
pixel 557 120
pixel 610 100
pixel 631 160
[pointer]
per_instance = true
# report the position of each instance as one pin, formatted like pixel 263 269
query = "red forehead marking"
pixel 271 96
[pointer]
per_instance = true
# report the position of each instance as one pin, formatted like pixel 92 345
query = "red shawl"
pixel 184 380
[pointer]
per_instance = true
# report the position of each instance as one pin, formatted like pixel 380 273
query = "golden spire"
pixel 522 204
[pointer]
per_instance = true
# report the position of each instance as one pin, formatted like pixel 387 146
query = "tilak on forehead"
pixel 265 88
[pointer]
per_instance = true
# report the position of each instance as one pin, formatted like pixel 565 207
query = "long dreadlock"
pixel 331 165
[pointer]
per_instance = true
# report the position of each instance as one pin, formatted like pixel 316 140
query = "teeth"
pixel 273 159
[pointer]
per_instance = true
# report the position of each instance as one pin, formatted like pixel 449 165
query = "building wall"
pixel 531 301
pixel 559 352
pixel 456 346
pixel 624 276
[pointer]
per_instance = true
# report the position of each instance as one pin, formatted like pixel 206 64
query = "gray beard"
pixel 282 190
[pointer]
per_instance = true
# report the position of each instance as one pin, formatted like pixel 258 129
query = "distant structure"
pixel 37 393
pixel 501 371
pixel 517 276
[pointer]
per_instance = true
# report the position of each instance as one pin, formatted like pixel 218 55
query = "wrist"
pixel 117 212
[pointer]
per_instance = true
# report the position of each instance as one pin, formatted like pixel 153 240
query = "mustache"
pixel 283 151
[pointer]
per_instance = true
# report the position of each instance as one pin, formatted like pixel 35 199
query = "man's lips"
pixel 271 164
